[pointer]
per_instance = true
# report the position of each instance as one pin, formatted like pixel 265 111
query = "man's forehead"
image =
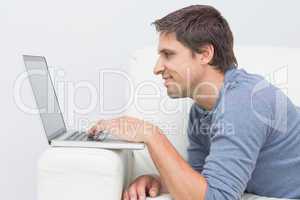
pixel 168 42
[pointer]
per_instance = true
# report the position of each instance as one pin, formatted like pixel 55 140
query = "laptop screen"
pixel 45 96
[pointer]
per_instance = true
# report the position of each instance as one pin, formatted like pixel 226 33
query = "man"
pixel 243 132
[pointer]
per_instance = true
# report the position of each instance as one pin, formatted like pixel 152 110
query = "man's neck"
pixel 208 93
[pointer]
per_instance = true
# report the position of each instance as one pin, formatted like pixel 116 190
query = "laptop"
pixel 52 118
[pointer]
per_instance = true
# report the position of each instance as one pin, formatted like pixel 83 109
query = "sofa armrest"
pixel 82 173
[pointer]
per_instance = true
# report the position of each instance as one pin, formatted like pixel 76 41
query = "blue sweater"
pixel 249 142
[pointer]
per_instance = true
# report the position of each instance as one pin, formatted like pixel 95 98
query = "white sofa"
pixel 102 174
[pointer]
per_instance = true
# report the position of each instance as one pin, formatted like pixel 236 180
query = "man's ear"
pixel 206 54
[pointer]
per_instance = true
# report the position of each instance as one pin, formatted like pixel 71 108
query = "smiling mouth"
pixel 167 78
pixel 168 81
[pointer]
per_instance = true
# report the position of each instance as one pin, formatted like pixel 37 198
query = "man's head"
pixel 194 42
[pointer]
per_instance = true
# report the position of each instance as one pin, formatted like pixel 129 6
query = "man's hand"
pixel 126 128
pixel 146 185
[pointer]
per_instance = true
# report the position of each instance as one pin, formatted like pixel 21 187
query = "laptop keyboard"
pixel 84 136
pixel 78 136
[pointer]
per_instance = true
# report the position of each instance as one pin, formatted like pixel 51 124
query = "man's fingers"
pixel 141 190
pixel 125 195
pixel 154 188
pixel 97 128
pixel 92 130
pixel 132 192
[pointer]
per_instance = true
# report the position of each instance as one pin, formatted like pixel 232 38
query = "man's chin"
pixel 175 92
pixel 174 95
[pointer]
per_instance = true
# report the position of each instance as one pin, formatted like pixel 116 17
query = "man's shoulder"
pixel 247 88
pixel 247 96
pixel 242 81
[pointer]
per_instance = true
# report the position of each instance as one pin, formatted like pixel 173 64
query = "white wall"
pixel 81 38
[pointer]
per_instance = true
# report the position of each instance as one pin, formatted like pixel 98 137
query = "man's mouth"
pixel 168 80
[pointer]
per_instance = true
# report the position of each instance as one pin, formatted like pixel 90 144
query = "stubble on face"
pixel 181 70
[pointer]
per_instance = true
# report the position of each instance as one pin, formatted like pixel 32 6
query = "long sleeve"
pixel 238 134
pixel 198 148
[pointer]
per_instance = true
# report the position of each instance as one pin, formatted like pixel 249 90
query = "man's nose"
pixel 158 68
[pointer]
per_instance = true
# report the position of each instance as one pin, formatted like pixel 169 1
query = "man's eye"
pixel 168 55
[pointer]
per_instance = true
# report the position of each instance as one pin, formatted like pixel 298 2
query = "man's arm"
pixel 180 179
pixel 235 143
pixel 176 174
pixel 234 148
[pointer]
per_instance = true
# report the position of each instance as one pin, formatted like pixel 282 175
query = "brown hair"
pixel 198 25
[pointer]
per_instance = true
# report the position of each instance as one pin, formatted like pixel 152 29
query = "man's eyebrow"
pixel 166 51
